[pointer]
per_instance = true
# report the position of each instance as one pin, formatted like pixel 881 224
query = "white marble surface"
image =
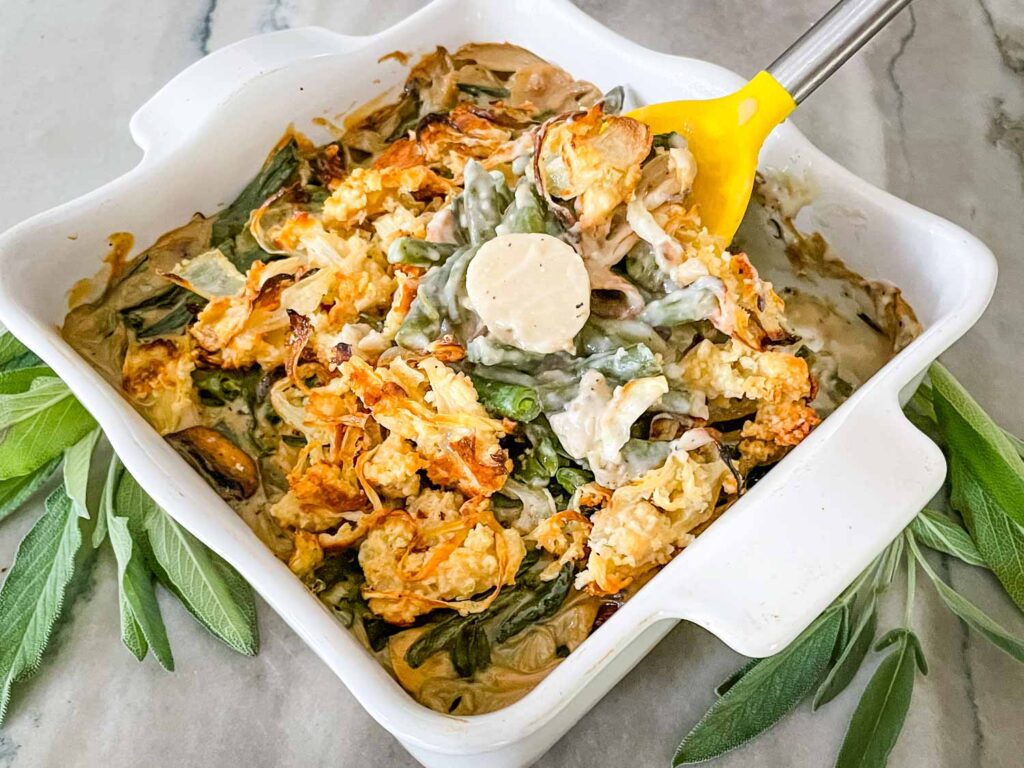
pixel 933 111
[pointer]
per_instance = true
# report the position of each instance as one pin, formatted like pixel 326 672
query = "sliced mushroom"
pixel 227 467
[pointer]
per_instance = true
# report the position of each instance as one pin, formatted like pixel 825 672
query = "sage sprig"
pixel 42 428
pixel 986 494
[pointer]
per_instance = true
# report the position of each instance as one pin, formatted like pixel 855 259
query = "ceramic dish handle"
pixel 178 109
pixel 821 520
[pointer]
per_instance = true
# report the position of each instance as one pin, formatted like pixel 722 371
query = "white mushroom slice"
pixel 531 291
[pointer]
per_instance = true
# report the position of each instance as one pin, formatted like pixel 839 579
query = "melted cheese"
pixel 531 291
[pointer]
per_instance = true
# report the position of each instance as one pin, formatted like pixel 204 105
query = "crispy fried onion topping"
pixel 430 556
pixel 437 410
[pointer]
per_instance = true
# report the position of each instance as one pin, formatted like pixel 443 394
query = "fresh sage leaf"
pixel 879 717
pixel 114 471
pixel 938 532
pixel 77 460
pixel 10 347
pixel 978 442
pixel 972 614
pixel 207 586
pixel 44 392
pixel 1000 540
pixel 32 596
pixel 979 621
pixel 763 696
pixel 131 632
pixel 14 354
pixel 723 687
pixel 34 442
pixel 15 491
pixel 17 381
pixel 850 658
pixel 890 562
pixel 140 612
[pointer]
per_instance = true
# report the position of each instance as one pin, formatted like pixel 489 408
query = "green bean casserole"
pixel 474 369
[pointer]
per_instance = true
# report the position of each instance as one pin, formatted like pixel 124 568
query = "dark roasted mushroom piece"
pixel 230 470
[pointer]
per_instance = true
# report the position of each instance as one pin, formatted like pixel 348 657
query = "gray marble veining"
pixel 932 110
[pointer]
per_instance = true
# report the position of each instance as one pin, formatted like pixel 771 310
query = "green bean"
pixel 602 334
pixel 642 455
pixel 456 301
pixel 479 209
pixel 571 478
pixel 484 350
pixel 512 401
pixel 677 400
pixel 623 364
pixel 686 305
pixel 419 253
pixel 439 298
pixel 549 599
pixel 642 268
pixel 540 461
pixel 423 323
pixel 528 213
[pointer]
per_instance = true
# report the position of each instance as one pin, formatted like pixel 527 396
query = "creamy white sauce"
pixel 531 291
pixel 595 424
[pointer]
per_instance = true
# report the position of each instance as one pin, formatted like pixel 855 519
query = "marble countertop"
pixel 933 111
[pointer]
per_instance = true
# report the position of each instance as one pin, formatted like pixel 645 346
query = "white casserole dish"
pixel 756 578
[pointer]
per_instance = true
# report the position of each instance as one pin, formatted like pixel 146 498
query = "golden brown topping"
pixel 732 370
pixel 453 434
pixel 650 518
pixel 595 159
pixel 413 566
pixel 307 555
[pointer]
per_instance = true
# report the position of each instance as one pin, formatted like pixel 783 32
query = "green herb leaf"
pixel 978 620
pixel 140 613
pixel 723 687
pixel 16 491
pixel 44 392
pixel 1000 540
pixel 77 460
pixel 20 380
pixel 979 444
pixel 131 632
pixel 114 470
pixel 972 614
pixel 764 695
pixel 32 597
pixel 851 657
pixel 879 717
pixel 34 442
pixel 207 586
pixel 14 354
pixel 935 530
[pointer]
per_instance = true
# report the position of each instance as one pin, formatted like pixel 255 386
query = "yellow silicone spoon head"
pixel 725 136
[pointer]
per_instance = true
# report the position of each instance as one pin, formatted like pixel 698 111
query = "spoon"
pixel 726 134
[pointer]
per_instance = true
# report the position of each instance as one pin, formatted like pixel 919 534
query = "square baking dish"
pixel 755 579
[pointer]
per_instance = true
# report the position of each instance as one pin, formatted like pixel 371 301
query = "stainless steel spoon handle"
pixel 827 45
